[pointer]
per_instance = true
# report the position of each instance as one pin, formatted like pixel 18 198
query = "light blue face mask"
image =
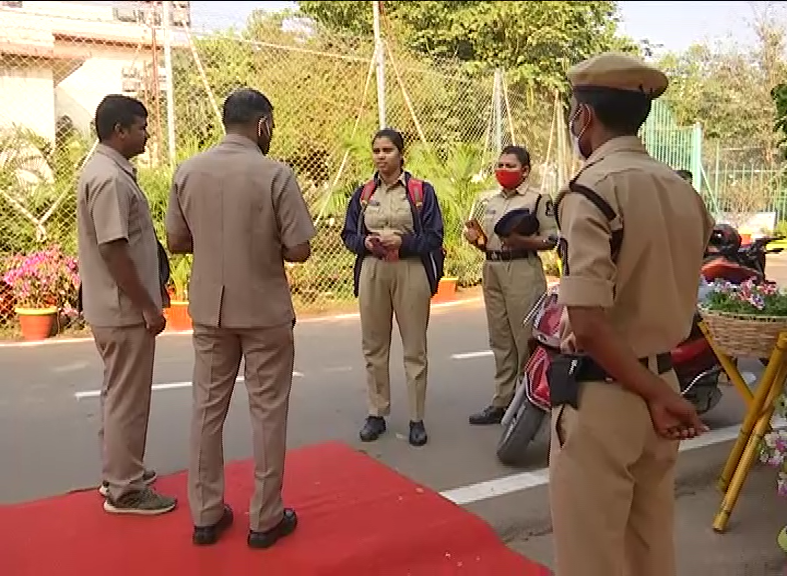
pixel 575 137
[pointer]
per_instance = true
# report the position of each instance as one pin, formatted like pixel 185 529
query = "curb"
pixel 312 320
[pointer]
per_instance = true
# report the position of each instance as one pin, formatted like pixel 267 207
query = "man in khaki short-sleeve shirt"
pixel 630 281
pixel 121 299
pixel 111 207
pixel 242 215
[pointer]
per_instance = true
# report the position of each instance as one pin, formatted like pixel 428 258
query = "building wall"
pixel 78 94
pixel 27 97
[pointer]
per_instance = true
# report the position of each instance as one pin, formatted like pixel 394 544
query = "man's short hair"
pixel 117 110
pixel 245 105
pixel 620 112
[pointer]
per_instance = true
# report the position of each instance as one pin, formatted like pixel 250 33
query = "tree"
pixel 728 91
pixel 534 41
pixel 779 97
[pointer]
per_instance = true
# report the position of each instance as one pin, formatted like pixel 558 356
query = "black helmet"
pixel 725 238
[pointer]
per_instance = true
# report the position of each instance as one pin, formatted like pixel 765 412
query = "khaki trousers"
pixel 269 355
pixel 510 291
pixel 128 354
pixel 402 289
pixel 611 486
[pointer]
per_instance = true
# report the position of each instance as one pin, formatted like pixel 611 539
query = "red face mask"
pixel 509 179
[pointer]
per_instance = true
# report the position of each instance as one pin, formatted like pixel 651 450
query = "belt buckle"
pixel 494 256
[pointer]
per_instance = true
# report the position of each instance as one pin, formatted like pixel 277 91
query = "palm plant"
pixel 459 177
pixel 37 179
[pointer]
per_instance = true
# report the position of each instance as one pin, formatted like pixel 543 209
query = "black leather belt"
pixel 507 255
pixel 592 372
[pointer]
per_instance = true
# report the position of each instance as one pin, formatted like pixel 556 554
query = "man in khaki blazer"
pixel 242 216
pixel 121 300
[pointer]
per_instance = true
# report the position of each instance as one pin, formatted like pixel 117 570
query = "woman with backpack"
pixel 394 227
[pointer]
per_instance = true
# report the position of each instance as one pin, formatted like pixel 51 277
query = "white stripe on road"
pixel 468 355
pixel 540 477
pixel 157 387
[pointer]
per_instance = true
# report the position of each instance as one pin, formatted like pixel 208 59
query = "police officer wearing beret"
pixel 518 222
pixel 633 233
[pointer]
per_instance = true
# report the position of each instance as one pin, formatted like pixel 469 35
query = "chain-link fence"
pixel 55 69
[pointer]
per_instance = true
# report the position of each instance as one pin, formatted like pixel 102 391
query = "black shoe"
pixel 207 535
pixel 489 415
pixel 418 435
pixel 270 537
pixel 372 429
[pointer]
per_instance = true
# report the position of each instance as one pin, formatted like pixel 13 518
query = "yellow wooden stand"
pixel 759 410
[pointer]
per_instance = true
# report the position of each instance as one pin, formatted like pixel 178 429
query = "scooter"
pixel 694 361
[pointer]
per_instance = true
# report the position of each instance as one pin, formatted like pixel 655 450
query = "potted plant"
pixel 42 284
pixel 177 314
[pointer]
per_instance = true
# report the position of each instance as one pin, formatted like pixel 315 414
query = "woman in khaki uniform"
pixel 394 226
pixel 513 275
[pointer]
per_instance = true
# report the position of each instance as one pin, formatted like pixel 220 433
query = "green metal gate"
pixel 677 146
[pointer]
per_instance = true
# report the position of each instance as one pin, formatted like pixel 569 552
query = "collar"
pixel 614 145
pixel 522 190
pixel 117 158
pixel 401 180
pixel 242 141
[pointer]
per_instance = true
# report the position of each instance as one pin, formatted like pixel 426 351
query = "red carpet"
pixel 357 518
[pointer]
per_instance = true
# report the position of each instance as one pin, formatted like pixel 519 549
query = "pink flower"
pixel 42 279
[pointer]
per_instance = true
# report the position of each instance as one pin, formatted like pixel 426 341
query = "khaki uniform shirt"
pixel 498 204
pixel 240 209
pixel 650 294
pixel 389 210
pixel 111 206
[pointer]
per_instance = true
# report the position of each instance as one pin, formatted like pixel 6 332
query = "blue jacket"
pixel 426 243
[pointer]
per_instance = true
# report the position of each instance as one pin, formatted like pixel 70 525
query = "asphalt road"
pixel 45 426
pixel 49 418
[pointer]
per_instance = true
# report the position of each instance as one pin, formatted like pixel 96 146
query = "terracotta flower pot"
pixel 446 290
pixel 36 323
pixel 178 317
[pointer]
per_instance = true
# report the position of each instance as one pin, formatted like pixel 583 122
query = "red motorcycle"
pixel 695 364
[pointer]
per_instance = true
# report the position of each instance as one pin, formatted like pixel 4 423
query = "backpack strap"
pixel 415 188
pixel 367 191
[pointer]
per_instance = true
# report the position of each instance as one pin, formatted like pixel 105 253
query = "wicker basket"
pixel 744 335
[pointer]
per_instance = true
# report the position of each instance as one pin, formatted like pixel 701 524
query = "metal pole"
pixel 498 100
pixel 169 82
pixel 380 59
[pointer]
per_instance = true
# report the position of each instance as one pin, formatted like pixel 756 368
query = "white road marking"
pixel 70 367
pixel 336 369
pixel 468 355
pixel 158 387
pixel 540 477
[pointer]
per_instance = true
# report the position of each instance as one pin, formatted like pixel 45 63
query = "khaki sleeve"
pixel 110 206
pixel 588 277
pixel 176 225
pixel 547 224
pixel 292 213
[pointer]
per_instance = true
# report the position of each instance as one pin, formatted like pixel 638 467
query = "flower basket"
pixel 744 335
pixel 745 320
